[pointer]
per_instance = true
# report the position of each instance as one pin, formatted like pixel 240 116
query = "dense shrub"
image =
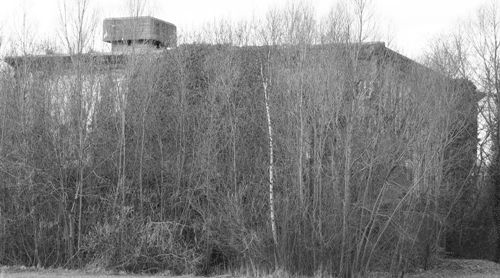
pixel 163 164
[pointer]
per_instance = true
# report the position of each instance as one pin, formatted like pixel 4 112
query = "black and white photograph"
pixel 250 138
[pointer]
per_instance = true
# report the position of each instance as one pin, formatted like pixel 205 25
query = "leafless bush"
pixel 264 149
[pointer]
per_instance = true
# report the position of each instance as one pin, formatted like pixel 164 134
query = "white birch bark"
pixel 271 161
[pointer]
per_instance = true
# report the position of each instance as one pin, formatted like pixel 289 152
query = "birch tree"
pixel 272 214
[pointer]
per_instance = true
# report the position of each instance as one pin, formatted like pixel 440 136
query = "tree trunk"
pixel 271 168
pixel 345 247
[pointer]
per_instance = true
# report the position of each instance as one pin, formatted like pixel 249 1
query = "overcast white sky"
pixel 412 23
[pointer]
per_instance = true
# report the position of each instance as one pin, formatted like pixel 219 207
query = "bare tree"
pixel 484 37
pixel 363 18
pixel 1 36
pixel 25 41
pixel 136 8
pixel 211 152
pixel 78 22
pixel 336 26
pixel 451 55
pixel 272 213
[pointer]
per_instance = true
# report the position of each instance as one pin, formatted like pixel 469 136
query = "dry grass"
pixel 447 268
pixel 461 269
pixel 456 276
pixel 76 274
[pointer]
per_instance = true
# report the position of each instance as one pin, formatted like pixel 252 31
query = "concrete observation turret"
pixel 144 33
